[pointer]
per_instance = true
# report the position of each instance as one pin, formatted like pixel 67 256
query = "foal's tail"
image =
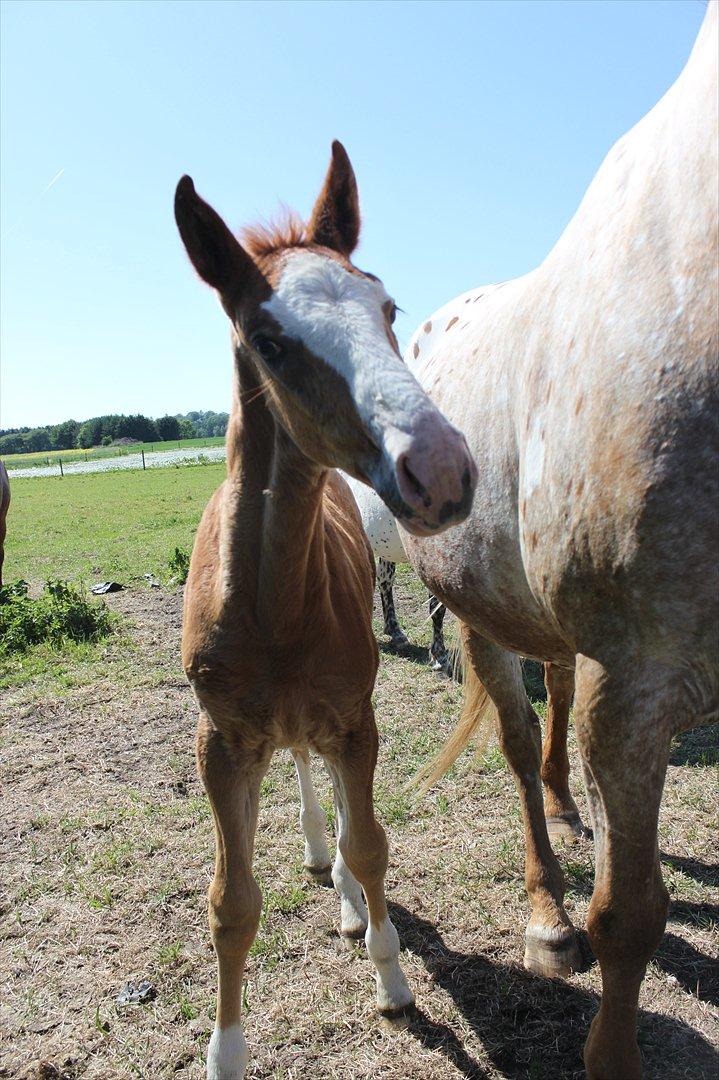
pixel 475 723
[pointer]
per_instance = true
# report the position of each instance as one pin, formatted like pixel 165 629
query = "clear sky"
pixel 474 129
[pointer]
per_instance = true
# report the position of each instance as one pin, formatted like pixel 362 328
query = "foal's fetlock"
pixel 227 1054
pixel 394 996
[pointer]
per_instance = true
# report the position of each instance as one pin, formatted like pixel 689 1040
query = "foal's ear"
pixel 335 221
pixel 216 255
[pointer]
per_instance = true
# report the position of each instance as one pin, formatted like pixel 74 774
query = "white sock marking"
pixel 227 1054
pixel 312 817
pixel 383 948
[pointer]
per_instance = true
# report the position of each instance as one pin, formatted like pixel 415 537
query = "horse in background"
pixel 589 393
pixel 281 563
pixel 385 541
pixel 4 507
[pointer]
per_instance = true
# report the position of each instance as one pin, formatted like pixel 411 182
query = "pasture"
pixel 97 453
pixel 107 843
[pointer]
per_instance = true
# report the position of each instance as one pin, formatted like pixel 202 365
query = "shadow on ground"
pixel 698 746
pixel 532 1027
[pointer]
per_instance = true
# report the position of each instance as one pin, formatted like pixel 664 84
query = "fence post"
pixel 61 472
pixel 143 459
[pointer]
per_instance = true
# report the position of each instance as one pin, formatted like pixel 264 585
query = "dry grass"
pixel 107 854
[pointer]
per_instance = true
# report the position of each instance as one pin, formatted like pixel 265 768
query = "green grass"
pixel 52 457
pixel 104 526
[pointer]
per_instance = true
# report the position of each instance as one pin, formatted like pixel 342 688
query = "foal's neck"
pixel 273 521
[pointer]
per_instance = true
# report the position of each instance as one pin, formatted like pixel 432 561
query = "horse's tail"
pixel 475 723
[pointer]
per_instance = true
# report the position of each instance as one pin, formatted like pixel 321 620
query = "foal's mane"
pixel 288 230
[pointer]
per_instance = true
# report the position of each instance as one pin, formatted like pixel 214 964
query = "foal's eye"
pixel 267 348
pixel 393 313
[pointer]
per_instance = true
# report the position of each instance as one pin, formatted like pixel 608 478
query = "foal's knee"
pixel 234 915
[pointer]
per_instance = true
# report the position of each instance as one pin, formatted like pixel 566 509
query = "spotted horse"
pixel 589 393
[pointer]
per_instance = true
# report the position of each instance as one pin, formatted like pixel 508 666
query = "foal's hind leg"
pixel 363 846
pixel 235 901
pixel 622 721
pixel 353 910
pixel 551 947
pixel 563 820
pixel 313 821
pixel 385 582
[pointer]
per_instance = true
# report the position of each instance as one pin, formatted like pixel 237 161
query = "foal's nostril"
pixel 466 480
pixel 416 485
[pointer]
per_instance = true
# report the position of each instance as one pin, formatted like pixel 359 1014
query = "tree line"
pixel 105 430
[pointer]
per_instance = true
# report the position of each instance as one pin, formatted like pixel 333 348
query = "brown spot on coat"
pixel 578 406
pixel 451 322
pixel 580 488
pixel 415 350
pixel 427 326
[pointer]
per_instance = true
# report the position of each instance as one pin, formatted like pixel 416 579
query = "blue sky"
pixel 474 129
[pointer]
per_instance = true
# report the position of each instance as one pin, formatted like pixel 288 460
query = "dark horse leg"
pixel 385 580
pixel 439 657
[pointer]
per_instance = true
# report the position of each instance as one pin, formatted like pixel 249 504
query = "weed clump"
pixel 179 564
pixel 60 614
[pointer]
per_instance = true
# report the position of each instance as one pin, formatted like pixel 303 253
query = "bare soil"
pixel 107 846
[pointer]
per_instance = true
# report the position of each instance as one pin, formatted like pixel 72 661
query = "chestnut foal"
pixel 281 563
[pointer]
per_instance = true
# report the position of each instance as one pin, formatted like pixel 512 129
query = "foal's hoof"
pixel 398 1019
pixel 567 827
pixel 319 875
pixel 399 640
pixel 552 953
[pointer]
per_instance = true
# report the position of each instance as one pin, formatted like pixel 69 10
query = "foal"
pixel 281 563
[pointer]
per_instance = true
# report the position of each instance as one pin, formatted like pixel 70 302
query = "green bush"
pixel 179 564
pixel 60 614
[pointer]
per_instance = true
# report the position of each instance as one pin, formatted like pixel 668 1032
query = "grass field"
pixel 107 845
pixel 104 526
pixel 50 457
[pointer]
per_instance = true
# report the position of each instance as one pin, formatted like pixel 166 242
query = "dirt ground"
pixel 107 844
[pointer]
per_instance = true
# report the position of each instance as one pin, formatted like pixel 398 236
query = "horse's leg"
pixel 313 821
pixel 363 845
pixel 235 901
pixel 550 944
pixel 439 657
pixel 385 581
pixel 563 821
pixel 622 723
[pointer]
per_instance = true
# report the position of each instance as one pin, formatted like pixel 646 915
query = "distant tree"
pixel 168 427
pixel 186 429
pixel 64 436
pixel 38 439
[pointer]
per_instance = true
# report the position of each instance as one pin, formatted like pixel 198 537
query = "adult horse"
pixel 4 506
pixel 281 562
pixel 589 394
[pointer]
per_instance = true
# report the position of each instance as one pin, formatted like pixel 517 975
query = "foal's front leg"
pixel 362 844
pixel 235 901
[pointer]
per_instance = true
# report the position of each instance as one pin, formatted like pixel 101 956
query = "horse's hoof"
pixel 567 828
pixel 554 954
pixel 321 875
pixel 352 940
pixel 398 1019
pixel 399 641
